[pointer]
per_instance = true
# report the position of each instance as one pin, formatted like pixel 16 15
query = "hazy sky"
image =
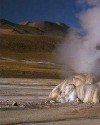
pixel 36 10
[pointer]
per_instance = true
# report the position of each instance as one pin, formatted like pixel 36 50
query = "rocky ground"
pixel 22 102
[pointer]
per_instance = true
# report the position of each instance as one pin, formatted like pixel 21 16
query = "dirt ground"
pixel 22 102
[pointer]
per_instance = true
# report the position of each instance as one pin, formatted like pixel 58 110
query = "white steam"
pixel 89 2
pixel 81 53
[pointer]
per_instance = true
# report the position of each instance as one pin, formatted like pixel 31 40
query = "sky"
pixel 65 11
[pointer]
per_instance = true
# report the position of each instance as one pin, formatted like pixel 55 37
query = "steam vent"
pixel 81 87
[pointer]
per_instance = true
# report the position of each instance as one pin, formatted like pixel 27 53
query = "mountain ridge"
pixel 38 27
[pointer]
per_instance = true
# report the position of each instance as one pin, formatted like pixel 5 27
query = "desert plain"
pixel 28 73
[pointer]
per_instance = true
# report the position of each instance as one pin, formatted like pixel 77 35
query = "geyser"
pixel 80 53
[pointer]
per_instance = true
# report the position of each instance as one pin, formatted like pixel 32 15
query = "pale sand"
pixel 31 108
pixel 83 114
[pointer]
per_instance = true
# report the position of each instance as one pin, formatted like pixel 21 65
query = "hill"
pixel 48 28
pixel 30 40
pixel 7 27
pixel 41 28
pixel 31 44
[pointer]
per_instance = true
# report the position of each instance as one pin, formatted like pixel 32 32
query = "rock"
pixel 14 104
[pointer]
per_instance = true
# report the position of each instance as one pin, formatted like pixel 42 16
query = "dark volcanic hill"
pixel 39 28
pixel 48 27
pixel 9 27
pixel 6 24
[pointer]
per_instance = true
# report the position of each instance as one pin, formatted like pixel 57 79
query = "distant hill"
pixel 48 27
pixel 6 24
pixel 31 42
pixel 35 28
pixel 12 28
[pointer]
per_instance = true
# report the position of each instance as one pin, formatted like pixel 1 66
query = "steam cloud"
pixel 80 52
pixel 89 2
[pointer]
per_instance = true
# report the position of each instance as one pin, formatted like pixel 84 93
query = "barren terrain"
pixel 28 72
pixel 30 108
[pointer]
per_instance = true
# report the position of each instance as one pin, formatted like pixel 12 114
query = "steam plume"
pixel 89 2
pixel 81 53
